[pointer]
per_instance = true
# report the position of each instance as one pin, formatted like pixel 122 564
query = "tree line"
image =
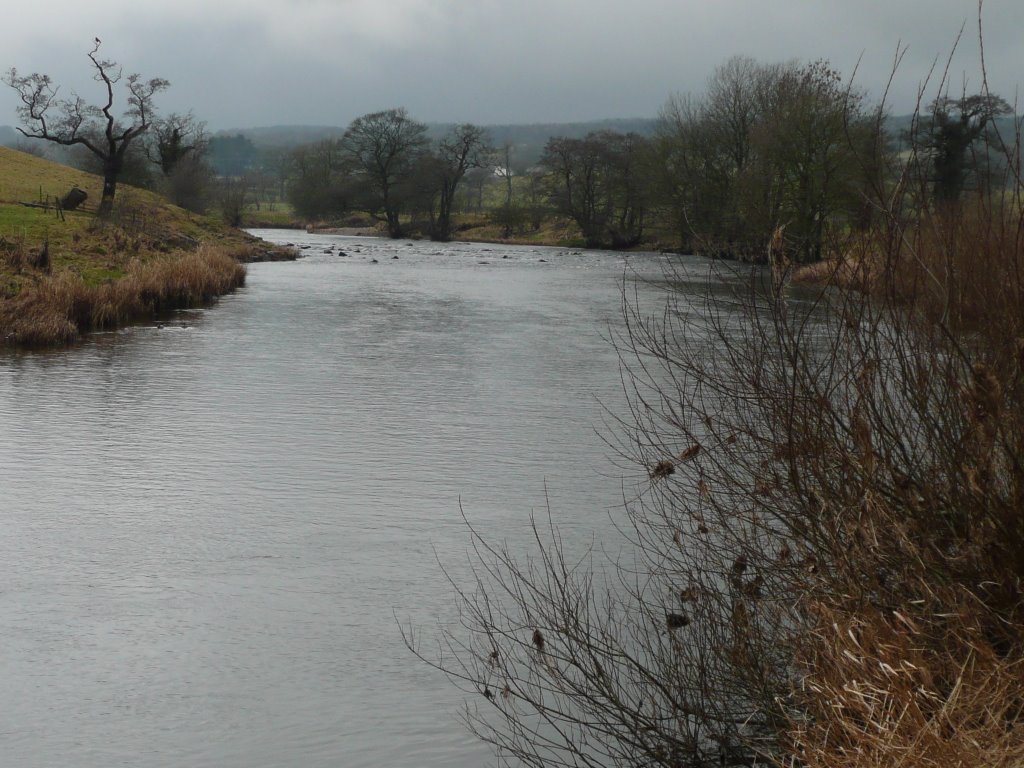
pixel 787 152
pixel 768 149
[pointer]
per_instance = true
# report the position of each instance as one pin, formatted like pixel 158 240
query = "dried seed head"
pixel 662 469
pixel 690 452
pixel 987 393
pixel 752 588
pixel 676 620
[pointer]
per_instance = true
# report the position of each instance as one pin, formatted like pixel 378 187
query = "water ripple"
pixel 208 531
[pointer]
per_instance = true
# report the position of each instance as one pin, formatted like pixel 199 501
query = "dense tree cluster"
pixel 385 166
pixel 600 182
pixel 771 153
pixel 768 146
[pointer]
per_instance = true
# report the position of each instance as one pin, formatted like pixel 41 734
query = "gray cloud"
pixel 254 62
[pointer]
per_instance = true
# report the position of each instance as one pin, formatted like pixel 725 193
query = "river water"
pixel 212 526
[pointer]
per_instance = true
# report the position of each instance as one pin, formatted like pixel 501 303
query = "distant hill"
pixel 294 135
pixel 528 139
pixel 8 136
pixel 284 136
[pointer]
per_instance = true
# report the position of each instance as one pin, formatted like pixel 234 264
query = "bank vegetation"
pixel 790 150
pixel 823 537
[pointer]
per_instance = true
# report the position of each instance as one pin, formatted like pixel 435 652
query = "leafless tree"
pixel 73 122
pixel 464 147
pixel 174 138
pixel 597 181
pixel 381 151
pixel 767 144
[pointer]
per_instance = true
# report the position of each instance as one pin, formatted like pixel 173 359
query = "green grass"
pixel 26 177
pixel 276 214
pixel 35 224
pixel 555 231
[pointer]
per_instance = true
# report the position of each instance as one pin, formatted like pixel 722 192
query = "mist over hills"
pixel 528 139
pixel 286 136
pixel 8 136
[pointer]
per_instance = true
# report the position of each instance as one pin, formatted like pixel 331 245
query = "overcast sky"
pixel 242 63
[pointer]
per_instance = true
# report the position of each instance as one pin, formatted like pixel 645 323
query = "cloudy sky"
pixel 241 63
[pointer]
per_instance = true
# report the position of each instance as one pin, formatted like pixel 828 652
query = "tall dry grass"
pixel 928 688
pixel 60 309
pixel 913 653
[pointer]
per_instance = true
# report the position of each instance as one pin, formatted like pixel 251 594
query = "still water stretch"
pixel 210 526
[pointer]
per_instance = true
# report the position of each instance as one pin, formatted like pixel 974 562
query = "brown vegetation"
pixel 59 310
pixel 836 576
pixel 914 653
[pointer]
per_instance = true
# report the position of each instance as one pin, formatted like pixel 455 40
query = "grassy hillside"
pixel 63 276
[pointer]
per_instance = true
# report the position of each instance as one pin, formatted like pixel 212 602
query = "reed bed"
pixel 59 309
pixel 934 687
pixel 914 649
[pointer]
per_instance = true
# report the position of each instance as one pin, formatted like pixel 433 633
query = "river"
pixel 212 525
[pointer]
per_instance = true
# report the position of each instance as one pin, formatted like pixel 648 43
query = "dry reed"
pixel 58 310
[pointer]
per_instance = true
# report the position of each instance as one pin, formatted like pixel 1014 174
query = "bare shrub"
pixel 823 534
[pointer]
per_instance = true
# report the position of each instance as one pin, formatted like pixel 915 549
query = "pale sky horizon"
pixel 324 62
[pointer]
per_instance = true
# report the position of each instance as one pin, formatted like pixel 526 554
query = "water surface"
pixel 210 527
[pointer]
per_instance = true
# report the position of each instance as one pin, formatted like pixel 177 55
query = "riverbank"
pixel 66 273
pixel 551 234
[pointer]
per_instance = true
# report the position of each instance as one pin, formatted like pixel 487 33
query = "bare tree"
pixel 464 147
pixel 315 189
pixel 767 145
pixel 176 137
pixel 233 195
pixel 73 122
pixel 597 182
pixel 381 151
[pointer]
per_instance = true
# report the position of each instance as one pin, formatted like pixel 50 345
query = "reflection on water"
pixel 210 527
